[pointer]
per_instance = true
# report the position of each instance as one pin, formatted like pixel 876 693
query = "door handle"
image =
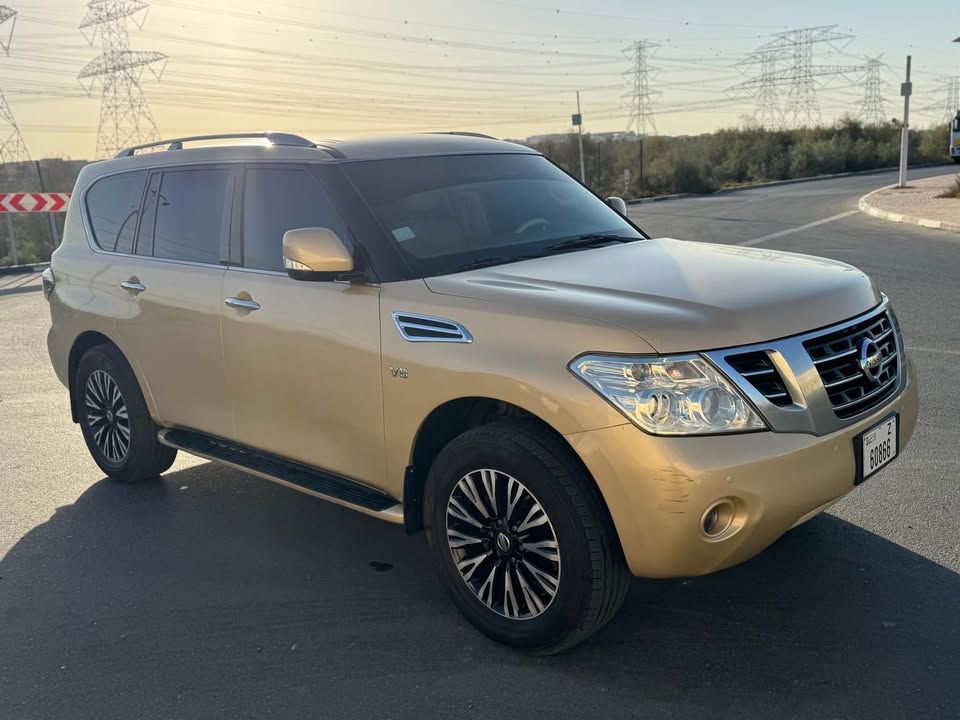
pixel 134 286
pixel 240 304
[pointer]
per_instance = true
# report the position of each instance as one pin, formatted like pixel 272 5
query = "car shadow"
pixel 211 593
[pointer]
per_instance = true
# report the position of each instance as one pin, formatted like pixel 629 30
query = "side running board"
pixel 286 472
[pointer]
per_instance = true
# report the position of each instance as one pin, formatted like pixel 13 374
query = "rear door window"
pixel 276 200
pixel 192 214
pixel 113 207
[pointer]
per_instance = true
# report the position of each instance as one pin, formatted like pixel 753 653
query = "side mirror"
pixel 617 204
pixel 314 253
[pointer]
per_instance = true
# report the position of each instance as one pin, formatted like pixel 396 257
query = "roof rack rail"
pixel 465 133
pixel 275 138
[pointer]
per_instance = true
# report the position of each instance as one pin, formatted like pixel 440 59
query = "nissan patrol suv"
pixel 448 332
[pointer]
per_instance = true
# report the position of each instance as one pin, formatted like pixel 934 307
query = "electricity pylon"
pixel 125 117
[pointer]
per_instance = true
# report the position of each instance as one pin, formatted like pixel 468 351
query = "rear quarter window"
pixel 113 208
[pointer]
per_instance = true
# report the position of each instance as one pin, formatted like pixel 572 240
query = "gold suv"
pixel 449 332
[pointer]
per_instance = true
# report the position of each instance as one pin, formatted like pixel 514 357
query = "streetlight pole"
pixel 578 121
pixel 905 89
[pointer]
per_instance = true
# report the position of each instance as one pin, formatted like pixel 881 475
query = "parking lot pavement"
pixel 214 594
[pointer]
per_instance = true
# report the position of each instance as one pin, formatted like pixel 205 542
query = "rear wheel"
pixel 522 539
pixel 114 419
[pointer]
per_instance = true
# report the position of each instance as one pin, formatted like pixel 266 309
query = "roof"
pixel 396 146
pixel 292 148
pixel 278 143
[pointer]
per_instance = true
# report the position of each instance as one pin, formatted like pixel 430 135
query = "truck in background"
pixel 955 138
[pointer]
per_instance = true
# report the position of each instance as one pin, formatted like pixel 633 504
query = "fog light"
pixel 710 520
pixel 717 518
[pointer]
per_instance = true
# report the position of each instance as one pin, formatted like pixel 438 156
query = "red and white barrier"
pixel 33 202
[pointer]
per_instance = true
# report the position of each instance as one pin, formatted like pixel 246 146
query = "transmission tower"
pixel 12 147
pixel 763 89
pixel 639 98
pixel 125 118
pixel 786 61
pixel 949 103
pixel 873 107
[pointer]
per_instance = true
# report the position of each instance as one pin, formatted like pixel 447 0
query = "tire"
pixel 581 584
pixel 956 158
pixel 110 406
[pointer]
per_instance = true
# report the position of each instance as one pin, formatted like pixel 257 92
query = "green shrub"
pixel 736 156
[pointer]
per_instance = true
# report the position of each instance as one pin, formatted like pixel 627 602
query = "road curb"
pixel 19 269
pixel 662 198
pixel 874 211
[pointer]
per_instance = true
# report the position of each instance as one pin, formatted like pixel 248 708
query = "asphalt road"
pixel 213 594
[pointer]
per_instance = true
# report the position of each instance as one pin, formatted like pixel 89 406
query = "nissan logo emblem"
pixel 870 358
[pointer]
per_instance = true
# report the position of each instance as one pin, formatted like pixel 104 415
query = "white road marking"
pixel 933 350
pixel 789 231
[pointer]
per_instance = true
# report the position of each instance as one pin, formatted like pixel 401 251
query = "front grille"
pixel 759 371
pixel 837 355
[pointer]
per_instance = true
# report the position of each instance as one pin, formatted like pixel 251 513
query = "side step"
pixel 287 472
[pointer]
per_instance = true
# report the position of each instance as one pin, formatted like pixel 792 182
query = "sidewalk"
pixel 917 204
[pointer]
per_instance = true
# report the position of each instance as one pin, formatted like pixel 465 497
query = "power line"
pixel 125 118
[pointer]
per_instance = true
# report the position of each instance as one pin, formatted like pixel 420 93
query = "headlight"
pixel 679 395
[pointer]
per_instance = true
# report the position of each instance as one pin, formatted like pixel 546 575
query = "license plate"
pixel 877 446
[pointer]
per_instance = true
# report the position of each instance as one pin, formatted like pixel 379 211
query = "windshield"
pixel 449 212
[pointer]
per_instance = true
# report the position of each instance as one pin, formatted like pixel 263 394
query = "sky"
pixel 509 68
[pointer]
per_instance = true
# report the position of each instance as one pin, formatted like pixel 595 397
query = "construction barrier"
pixel 31 202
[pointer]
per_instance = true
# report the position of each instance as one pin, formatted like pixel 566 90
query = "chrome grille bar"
pixel 871 394
pixel 816 382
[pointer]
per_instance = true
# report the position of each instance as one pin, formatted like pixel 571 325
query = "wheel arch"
pixel 83 342
pixel 453 418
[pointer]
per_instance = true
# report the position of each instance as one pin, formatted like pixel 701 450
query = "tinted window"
pixel 191 214
pixel 444 212
pixel 113 205
pixel 276 200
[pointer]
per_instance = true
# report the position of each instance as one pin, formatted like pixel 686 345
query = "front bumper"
pixel 657 488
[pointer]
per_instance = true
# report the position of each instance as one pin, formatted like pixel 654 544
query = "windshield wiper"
pixel 488 261
pixel 582 242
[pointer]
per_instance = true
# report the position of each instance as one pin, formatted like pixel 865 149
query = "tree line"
pixel 661 165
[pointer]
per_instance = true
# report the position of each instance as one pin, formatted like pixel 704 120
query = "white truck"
pixel 955 138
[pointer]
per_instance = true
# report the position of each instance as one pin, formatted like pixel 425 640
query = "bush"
pixel 736 156
pixel 954 191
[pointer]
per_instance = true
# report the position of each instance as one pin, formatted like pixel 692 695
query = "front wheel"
pixel 522 539
pixel 114 419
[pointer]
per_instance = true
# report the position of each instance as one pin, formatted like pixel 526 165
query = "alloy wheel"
pixel 503 544
pixel 107 416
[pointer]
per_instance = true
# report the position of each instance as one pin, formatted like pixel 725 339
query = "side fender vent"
pixel 425 328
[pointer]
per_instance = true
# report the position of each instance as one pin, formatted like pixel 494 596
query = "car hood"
pixel 679 296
